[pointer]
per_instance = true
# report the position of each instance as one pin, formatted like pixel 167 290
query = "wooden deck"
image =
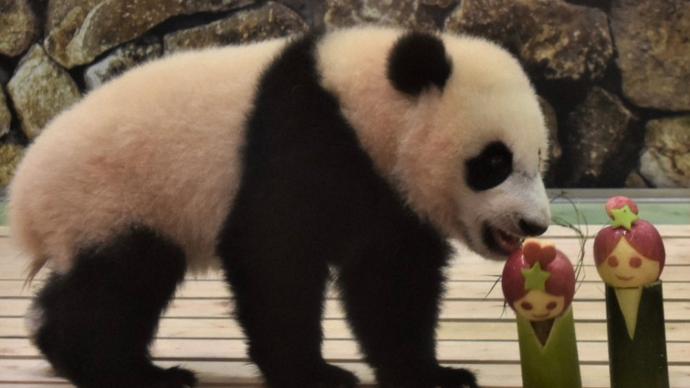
pixel 475 330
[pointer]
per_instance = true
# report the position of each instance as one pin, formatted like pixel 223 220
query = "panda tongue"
pixel 507 242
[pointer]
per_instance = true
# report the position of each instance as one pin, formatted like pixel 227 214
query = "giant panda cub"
pixel 355 153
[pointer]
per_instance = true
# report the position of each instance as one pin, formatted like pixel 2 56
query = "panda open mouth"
pixel 501 241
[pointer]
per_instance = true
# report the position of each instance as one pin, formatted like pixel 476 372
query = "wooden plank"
pixel 338 329
pixel 347 351
pixel 591 289
pixel 467 310
pixel 459 270
pixel 235 374
pixel 449 351
pixel 455 290
pixel 239 374
pixel 213 374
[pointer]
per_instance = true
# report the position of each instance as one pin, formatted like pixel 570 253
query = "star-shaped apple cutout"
pixel 623 217
pixel 535 278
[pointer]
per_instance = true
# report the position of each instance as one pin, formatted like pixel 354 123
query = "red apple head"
pixel 538 281
pixel 628 257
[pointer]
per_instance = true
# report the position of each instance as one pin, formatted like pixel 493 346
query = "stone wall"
pixel 613 75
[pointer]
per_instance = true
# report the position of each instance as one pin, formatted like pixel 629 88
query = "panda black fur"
pixel 319 179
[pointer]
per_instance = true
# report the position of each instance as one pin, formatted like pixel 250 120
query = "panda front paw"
pixel 455 378
pixel 331 376
pixel 149 376
pixel 176 377
pixel 433 377
pixel 321 376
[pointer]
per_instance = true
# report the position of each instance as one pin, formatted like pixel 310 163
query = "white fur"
pixel 161 144
pixel 421 144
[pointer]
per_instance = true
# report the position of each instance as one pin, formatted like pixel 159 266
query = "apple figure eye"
pixel 635 262
pixel 526 305
pixel 551 305
pixel 613 261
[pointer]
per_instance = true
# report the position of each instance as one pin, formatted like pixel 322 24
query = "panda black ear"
pixel 418 61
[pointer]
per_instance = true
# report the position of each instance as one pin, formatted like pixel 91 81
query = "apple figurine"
pixel 539 284
pixel 538 281
pixel 630 252
pixel 629 255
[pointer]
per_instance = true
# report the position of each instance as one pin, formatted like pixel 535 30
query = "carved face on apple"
pixel 629 252
pixel 538 281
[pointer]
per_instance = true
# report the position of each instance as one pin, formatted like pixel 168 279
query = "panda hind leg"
pixel 95 322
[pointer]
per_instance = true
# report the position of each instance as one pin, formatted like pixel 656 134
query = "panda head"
pixel 472 144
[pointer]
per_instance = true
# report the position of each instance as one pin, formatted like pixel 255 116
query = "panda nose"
pixel 532 228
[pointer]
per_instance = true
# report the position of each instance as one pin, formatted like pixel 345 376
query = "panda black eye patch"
pixel 490 168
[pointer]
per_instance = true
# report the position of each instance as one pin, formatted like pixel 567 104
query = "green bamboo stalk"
pixel 553 364
pixel 638 359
